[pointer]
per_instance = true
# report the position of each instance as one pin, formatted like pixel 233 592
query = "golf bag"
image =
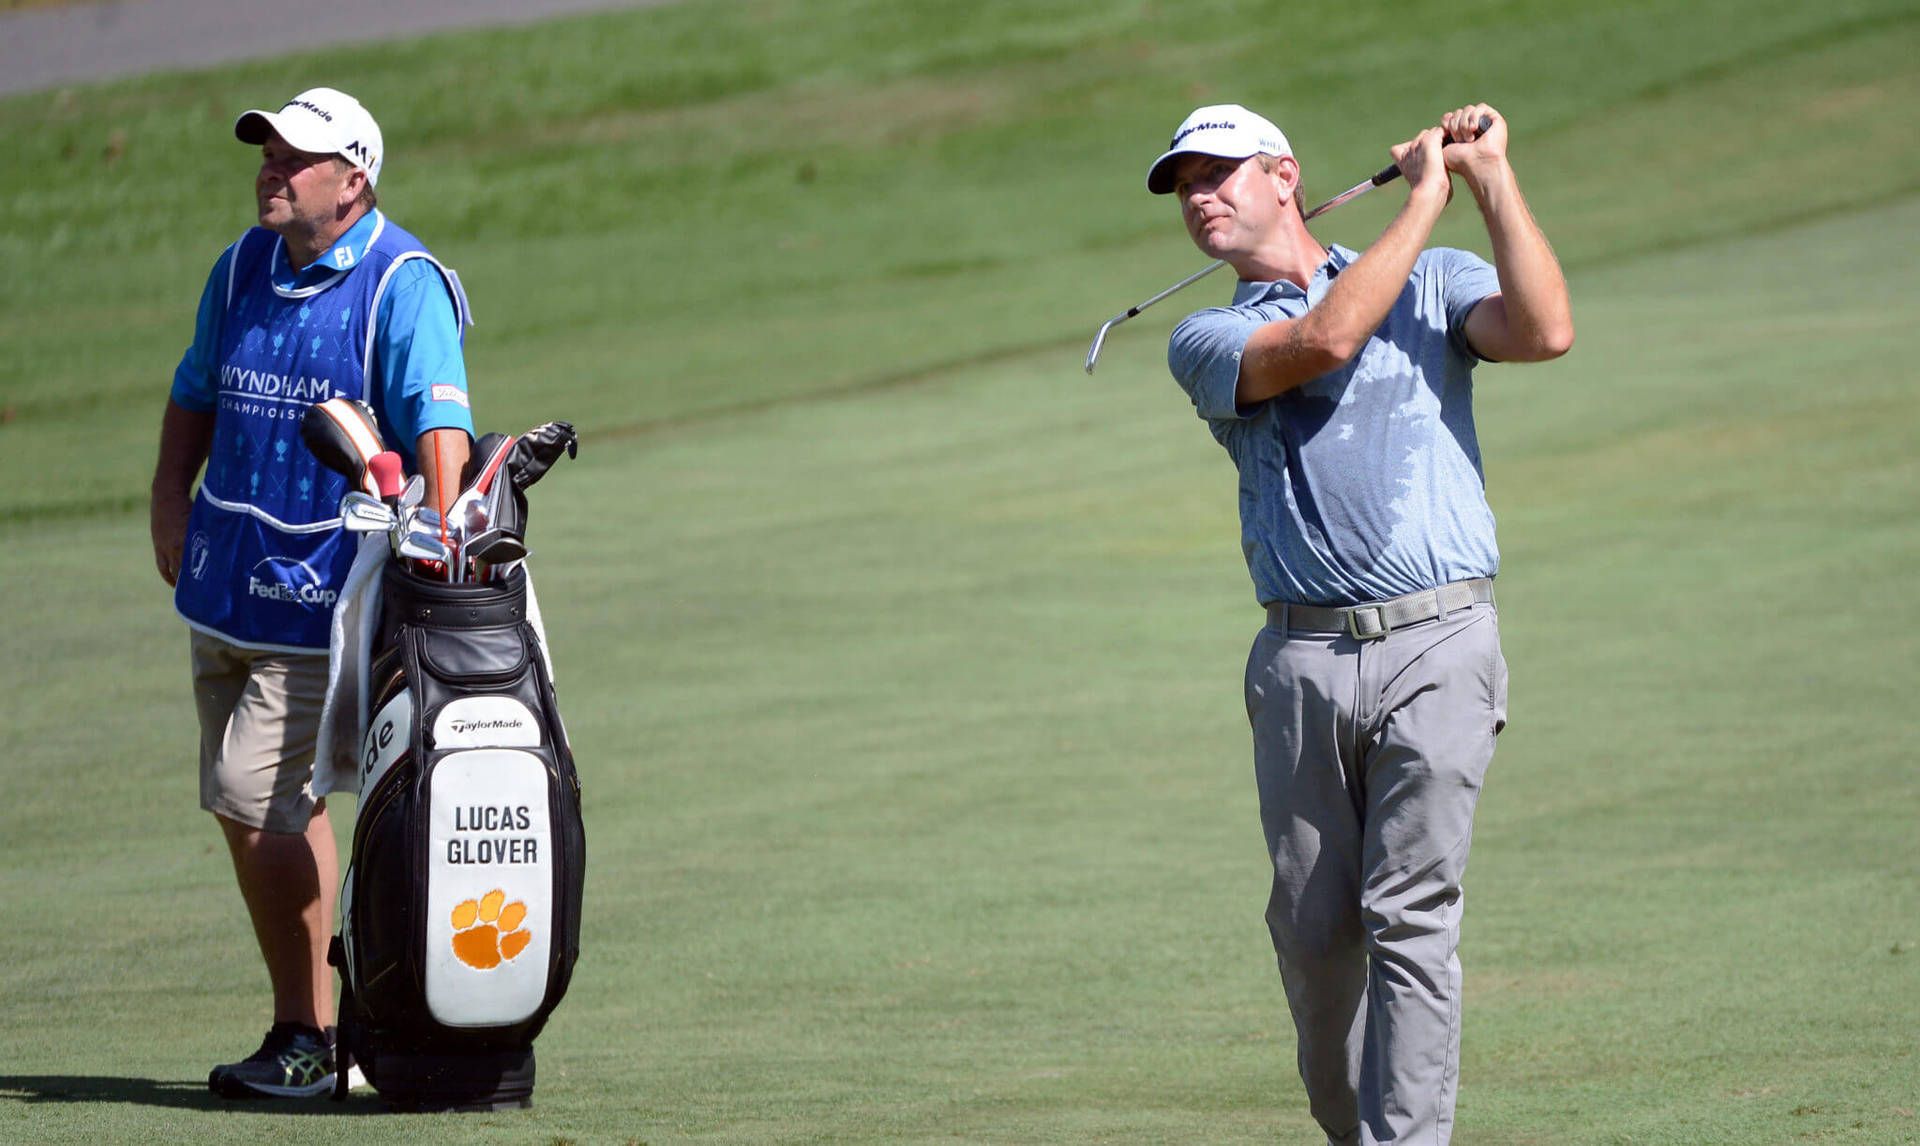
pixel 460 911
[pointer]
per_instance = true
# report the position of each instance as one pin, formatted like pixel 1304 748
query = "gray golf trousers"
pixel 1369 757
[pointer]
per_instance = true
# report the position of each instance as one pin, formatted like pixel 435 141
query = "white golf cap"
pixel 323 121
pixel 1224 129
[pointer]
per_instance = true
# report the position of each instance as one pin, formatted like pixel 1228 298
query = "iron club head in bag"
pixel 361 512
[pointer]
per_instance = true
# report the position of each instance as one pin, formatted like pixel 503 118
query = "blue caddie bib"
pixel 265 555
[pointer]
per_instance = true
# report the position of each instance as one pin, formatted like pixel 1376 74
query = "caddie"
pixel 1341 384
pixel 325 298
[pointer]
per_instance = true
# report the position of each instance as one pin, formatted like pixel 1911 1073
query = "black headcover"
pixel 343 435
pixel 536 451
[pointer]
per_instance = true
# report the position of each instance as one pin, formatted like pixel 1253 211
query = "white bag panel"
pixel 485 722
pixel 489 888
pixel 387 739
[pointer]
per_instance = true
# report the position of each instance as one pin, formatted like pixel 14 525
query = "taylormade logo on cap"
pixel 323 121
pixel 1224 129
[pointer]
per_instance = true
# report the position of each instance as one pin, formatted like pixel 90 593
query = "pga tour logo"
pixel 289 582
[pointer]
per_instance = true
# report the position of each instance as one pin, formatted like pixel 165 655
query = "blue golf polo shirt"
pixel 1364 483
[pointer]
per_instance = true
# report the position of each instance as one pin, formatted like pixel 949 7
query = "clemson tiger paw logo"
pixel 487 931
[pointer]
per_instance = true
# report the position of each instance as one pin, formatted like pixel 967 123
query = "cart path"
pixel 47 47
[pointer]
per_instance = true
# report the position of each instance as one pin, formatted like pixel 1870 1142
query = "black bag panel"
pixel 474 657
pixel 410 600
pixel 386 905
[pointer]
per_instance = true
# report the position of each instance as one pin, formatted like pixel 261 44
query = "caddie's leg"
pixel 259 717
pixel 289 881
pixel 1299 700
pixel 1441 694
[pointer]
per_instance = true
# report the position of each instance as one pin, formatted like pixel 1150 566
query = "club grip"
pixel 1392 170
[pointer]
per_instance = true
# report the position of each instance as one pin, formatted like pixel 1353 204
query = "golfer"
pixel 325 298
pixel 1341 384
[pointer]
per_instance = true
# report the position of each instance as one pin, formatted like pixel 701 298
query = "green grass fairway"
pixel 903 661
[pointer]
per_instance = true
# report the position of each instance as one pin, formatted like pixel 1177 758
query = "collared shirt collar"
pixel 337 260
pixel 1248 293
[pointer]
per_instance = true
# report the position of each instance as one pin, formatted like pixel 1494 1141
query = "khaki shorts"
pixel 259 718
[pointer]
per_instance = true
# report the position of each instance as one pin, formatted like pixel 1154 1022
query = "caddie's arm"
pixel 424 377
pixel 443 455
pixel 1531 318
pixel 1282 355
pixel 186 439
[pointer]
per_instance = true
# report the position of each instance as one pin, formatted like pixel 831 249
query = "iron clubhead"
pixel 363 513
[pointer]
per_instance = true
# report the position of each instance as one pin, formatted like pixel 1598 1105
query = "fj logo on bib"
pixel 487 931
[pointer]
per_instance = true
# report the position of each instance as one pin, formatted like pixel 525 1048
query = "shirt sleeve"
pixel 416 350
pixel 1465 280
pixel 1204 356
pixel 194 385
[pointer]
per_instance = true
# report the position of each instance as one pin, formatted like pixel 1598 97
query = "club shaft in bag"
pixel 1386 174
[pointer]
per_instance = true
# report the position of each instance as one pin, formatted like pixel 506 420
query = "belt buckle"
pixel 1353 622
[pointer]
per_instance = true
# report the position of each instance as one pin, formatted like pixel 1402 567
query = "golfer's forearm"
pixel 1283 355
pixel 186 438
pixel 1538 311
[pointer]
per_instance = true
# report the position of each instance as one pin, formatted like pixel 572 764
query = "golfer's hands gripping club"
pixel 1419 161
pixel 1472 124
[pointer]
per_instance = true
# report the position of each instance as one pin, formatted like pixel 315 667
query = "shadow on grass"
pixel 194 1095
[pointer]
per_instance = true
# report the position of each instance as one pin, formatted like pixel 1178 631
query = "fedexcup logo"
pixel 289 582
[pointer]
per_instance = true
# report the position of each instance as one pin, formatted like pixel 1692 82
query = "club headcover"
pixel 344 437
pixel 536 451
pixel 384 469
pixel 488 455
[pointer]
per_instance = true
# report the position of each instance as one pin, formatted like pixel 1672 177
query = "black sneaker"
pixel 294 1061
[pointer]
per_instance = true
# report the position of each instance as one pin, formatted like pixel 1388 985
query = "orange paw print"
pixel 487 930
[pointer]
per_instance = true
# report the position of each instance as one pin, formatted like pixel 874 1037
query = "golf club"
pixel 1386 174
pixel 363 513
pixel 385 470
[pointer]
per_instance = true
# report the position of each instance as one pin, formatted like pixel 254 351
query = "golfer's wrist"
pixel 1429 196
pixel 1493 186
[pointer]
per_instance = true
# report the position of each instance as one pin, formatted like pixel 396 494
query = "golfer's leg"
pixel 1297 691
pixel 1442 703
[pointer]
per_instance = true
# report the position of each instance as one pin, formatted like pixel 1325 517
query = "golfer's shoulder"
pixel 1444 262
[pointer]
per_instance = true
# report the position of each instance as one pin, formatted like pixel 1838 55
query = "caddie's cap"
pixel 323 121
pixel 1224 129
